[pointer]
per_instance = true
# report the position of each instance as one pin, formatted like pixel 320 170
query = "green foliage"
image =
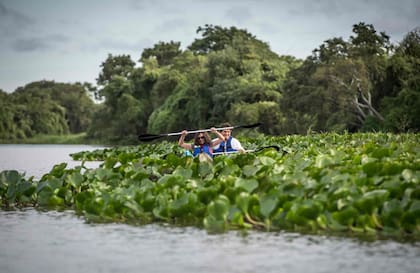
pixel 45 108
pixel 401 107
pixel 121 65
pixel 363 83
pixel 354 85
pixel 227 74
pixel 163 52
pixel 346 184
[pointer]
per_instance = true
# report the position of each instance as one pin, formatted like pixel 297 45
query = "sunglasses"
pixel 201 137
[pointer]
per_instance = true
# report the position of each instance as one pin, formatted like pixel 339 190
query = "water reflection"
pixel 51 241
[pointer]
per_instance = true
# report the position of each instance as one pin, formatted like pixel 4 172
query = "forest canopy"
pixel 362 83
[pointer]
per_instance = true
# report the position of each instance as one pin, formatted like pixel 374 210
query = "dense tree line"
pixel 364 83
pixel 227 74
pixel 45 107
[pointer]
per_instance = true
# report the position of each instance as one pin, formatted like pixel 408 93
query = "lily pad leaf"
pixel 268 204
pixel 247 184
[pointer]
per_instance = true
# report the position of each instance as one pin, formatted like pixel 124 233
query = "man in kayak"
pixel 202 146
pixel 228 143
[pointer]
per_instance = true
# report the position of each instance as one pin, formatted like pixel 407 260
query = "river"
pixel 52 241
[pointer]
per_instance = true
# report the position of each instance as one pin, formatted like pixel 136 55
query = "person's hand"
pixel 184 132
pixel 213 130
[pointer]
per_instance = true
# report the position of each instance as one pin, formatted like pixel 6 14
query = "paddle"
pixel 150 137
pixel 277 148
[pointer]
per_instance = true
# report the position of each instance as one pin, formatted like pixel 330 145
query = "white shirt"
pixel 236 145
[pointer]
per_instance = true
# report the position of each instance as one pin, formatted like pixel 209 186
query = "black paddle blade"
pixel 275 147
pixel 250 126
pixel 149 137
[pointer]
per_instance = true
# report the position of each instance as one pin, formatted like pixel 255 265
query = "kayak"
pixel 203 157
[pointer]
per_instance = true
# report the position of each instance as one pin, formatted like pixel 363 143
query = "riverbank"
pixel 55 139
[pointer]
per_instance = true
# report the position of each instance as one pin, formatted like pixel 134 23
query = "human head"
pixel 227 132
pixel 202 138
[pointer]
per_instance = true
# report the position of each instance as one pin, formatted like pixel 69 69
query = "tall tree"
pixel 163 52
pixel 344 91
pixel 402 105
pixel 120 65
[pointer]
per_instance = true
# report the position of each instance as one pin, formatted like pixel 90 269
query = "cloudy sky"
pixel 67 40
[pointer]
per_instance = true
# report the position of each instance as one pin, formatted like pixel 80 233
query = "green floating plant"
pixel 323 183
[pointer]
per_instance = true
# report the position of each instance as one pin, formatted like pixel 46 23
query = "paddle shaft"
pixel 149 137
pixel 200 131
pixel 233 152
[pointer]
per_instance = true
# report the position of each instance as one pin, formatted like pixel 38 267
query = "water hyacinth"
pixel 322 183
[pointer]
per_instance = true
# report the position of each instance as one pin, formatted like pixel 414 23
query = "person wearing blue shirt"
pixel 202 146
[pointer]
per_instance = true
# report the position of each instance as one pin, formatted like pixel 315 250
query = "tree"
pixel 121 65
pixel 119 116
pixel 331 50
pixel 367 42
pixel 341 85
pixel 163 52
pixel 45 107
pixel 402 105
pixel 215 38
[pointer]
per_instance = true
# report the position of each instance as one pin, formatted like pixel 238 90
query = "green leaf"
pixel 75 179
pixel 392 213
pixel 347 216
pixel 268 204
pixel 249 170
pixel 409 176
pixel 219 208
pixel 242 201
pixel 184 172
pixel 9 178
pixel 372 168
pixel 309 209
pixel 55 183
pixel 180 206
pixel 58 170
pixel 205 169
pixel 265 160
pixel 247 184
pixel 381 152
pixel 323 161
pixel 371 200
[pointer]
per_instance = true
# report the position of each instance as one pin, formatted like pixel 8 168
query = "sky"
pixel 68 40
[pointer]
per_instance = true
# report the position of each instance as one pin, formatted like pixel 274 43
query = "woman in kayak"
pixel 202 143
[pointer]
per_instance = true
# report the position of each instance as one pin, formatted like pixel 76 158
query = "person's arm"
pixel 220 137
pixel 181 140
pixel 237 145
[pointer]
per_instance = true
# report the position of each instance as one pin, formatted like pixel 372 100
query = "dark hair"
pixel 207 139
pixel 225 124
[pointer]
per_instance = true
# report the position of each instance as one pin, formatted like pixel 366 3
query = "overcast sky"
pixel 67 40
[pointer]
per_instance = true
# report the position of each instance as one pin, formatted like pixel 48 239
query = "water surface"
pixel 35 241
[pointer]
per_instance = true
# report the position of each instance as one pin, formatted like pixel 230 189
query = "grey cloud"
pixel 239 14
pixel 171 25
pixel 29 44
pixel 164 7
pixel 39 43
pixel 338 9
pixel 120 45
pixel 12 21
pixel 141 4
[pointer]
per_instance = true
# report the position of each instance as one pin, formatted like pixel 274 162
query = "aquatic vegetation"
pixel 321 183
